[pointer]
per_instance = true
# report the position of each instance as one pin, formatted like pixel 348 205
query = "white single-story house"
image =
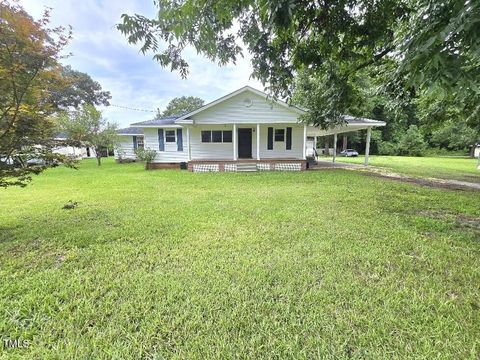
pixel 76 152
pixel 244 130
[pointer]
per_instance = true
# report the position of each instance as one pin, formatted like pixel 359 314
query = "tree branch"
pixel 375 58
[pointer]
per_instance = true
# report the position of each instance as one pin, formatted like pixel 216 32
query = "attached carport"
pixel 350 124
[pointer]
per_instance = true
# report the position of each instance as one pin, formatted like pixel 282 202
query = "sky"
pixel 133 79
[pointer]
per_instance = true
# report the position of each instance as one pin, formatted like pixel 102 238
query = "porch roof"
pixel 351 123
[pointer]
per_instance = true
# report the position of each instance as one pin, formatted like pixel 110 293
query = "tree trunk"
pixel 99 160
pixel 326 151
pixel 345 143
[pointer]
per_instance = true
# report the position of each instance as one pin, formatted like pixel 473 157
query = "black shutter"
pixel 179 140
pixel 135 145
pixel 289 138
pixel 161 140
pixel 270 139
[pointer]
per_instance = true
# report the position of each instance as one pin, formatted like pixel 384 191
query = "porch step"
pixel 246 167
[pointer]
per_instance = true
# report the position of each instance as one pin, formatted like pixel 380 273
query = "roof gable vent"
pixel 247 102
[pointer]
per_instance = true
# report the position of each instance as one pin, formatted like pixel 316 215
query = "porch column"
pixel 235 142
pixel 334 147
pixel 189 149
pixel 315 154
pixel 258 141
pixel 304 142
pixel 367 146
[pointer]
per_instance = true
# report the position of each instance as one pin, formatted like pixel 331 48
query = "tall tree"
pixel 437 40
pixel 81 89
pixel 87 126
pixel 181 105
pixel 29 75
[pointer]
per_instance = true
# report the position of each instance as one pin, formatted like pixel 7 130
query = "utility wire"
pixel 134 109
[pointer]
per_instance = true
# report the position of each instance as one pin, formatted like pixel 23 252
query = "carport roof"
pixel 352 123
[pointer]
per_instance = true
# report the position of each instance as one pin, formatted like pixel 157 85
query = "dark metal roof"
pixel 130 131
pixel 167 120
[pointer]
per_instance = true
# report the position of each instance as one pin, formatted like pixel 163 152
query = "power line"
pixel 134 109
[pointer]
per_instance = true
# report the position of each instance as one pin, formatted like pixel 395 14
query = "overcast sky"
pixel 134 80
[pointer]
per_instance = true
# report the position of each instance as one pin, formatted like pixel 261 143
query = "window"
pixel 140 144
pixel 216 136
pixel 206 136
pixel 227 136
pixel 279 134
pixel 170 136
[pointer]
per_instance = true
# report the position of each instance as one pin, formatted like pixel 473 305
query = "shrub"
pixel 147 155
pixel 387 148
pixel 444 152
pixel 412 143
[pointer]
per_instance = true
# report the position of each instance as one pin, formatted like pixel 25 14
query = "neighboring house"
pixel 73 151
pixel 244 130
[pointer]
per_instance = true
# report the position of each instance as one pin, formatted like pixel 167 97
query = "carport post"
pixel 334 147
pixel 367 146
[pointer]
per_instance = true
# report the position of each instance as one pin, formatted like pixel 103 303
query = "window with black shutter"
pixel 288 143
pixel 170 136
pixel 270 138
pixel 279 134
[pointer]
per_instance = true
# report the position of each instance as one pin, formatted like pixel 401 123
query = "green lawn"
pixel 171 264
pixel 457 168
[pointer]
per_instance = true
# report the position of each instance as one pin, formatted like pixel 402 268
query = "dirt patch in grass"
pixel 461 220
pixel 430 182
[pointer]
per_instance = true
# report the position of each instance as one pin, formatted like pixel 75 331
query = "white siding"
pixel 234 110
pixel 125 146
pixel 170 154
pixel 209 151
pixel 279 147
pixel 76 152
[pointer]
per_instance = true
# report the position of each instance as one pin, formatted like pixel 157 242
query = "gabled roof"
pixel 167 120
pixel 130 131
pixel 232 94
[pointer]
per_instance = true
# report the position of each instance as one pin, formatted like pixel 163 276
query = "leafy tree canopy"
pixel 411 142
pixel 86 125
pixel 29 74
pixel 181 105
pixel 434 44
pixel 81 89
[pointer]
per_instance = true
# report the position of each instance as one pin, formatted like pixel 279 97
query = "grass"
pixel 456 168
pixel 170 264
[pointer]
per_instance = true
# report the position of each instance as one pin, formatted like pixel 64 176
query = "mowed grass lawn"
pixel 171 264
pixel 447 167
